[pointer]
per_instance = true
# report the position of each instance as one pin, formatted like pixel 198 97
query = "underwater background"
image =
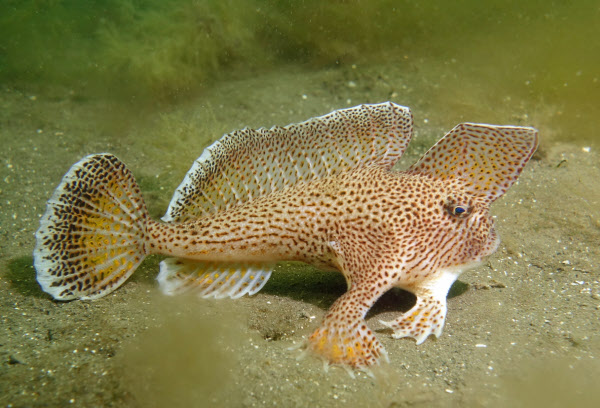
pixel 535 52
pixel 156 81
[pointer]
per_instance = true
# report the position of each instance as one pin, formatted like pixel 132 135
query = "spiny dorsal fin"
pixel 249 163
pixel 488 157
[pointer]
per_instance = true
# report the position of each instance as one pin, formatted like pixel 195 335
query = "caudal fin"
pixel 92 236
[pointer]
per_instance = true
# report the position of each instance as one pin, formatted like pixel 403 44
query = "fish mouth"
pixel 492 244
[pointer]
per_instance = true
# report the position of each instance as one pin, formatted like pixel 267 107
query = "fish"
pixel 323 192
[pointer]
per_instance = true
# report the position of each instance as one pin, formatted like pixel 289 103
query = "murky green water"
pixel 500 53
pixel 156 81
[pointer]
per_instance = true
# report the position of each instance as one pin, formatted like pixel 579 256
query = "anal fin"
pixel 212 279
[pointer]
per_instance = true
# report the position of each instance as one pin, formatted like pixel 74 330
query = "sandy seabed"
pixel 522 329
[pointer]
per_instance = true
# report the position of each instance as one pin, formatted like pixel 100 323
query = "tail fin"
pixel 92 236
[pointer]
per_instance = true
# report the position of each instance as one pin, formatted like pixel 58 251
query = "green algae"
pixel 499 52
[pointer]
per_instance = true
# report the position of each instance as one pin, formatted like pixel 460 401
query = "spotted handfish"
pixel 322 192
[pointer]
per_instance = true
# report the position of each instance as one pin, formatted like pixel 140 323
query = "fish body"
pixel 320 192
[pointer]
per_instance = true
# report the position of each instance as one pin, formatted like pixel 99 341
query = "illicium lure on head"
pixel 322 192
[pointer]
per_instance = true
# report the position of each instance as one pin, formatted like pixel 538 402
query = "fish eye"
pixel 458 210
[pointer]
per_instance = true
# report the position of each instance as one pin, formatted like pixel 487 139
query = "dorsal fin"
pixel 488 157
pixel 250 163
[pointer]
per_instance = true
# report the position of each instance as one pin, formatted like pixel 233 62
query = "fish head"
pixel 462 175
pixel 440 224
pixel 467 219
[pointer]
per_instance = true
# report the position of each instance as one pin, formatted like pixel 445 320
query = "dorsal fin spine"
pixel 295 163
pixel 325 164
pixel 232 188
pixel 208 198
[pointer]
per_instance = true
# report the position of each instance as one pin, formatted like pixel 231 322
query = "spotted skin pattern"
pixel 417 229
